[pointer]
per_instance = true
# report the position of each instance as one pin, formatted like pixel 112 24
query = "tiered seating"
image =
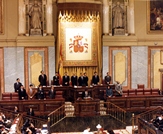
pixel 140 92
pixel 59 95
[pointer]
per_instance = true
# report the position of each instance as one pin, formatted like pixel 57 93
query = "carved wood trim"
pixel 1 17
pixel 1 70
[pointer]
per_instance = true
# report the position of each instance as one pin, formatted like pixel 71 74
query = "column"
pixel 110 17
pixel 49 21
pixel 161 75
pixel 105 17
pixel 22 18
pixel 130 16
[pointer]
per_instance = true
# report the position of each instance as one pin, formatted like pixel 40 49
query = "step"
pixel 118 131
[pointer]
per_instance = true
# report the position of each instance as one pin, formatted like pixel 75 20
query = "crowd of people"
pixel 74 80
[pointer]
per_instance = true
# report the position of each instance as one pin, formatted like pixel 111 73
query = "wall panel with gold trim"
pixel 154 65
pixel 36 59
pixel 120 65
pixel 1 70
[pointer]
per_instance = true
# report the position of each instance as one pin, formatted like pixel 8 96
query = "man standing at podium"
pixel 42 78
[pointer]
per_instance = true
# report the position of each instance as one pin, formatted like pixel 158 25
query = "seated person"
pixel 155 121
pixel 31 93
pixel 52 93
pixel 109 91
pixel 160 124
pixel 110 131
pixel 95 79
pixel 118 88
pixel 85 94
pixel 87 131
pixel 22 93
pixel 56 79
pixel 30 112
pixel 16 111
pixel 40 93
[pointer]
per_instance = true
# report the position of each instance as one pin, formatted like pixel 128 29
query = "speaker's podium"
pixel 87 107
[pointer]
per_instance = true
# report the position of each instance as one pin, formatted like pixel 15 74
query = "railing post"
pixel 49 125
pixel 133 120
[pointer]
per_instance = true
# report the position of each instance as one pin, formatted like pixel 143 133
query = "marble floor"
pixel 128 130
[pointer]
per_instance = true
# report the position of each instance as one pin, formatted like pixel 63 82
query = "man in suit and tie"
pixel 85 79
pixel 95 79
pixel 42 78
pixel 107 78
pixel 17 85
pixel 52 93
pixel 40 93
pixel 56 79
pixel 81 80
pixel 31 92
pixel 65 80
pixel 22 93
pixel 74 80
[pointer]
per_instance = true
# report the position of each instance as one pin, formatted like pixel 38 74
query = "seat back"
pixel 6 96
pixel 140 86
pixel 155 91
pixel 132 92
pixel 147 91
pixel 14 96
pixel 59 95
pixel 139 91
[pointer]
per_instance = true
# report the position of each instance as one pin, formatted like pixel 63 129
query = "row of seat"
pixel 139 92
pixel 15 96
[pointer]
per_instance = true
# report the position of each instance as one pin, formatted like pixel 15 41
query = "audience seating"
pixel 140 86
pixel 14 96
pixel 6 96
pixel 59 95
pixel 10 96
pixel 140 92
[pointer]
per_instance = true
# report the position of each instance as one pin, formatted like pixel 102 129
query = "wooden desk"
pixel 77 92
pixel 87 107
pixel 66 90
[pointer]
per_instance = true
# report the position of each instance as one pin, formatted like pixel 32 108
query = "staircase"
pixel 69 109
pixel 67 124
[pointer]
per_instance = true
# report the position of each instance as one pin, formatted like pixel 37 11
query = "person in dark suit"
pixel 22 93
pixel 107 78
pixel 95 79
pixel 52 93
pixel 56 79
pixel 42 78
pixel 74 80
pixel 85 94
pixel 31 92
pixel 65 80
pixel 81 80
pixel 85 79
pixel 40 93
pixel 17 85
pixel 30 112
